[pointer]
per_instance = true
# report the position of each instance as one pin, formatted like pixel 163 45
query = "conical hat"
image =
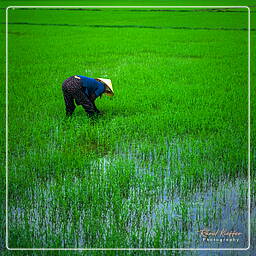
pixel 108 83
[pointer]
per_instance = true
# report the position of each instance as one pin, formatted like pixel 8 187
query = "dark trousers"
pixel 72 91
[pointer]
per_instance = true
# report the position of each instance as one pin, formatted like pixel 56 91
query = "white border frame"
pixel 135 249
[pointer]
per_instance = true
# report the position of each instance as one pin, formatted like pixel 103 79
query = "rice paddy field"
pixel 167 160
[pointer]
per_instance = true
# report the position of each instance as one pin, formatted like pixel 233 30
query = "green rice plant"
pixel 157 165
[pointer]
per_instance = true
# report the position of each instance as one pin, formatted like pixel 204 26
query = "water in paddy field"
pixel 218 208
pixel 221 209
pixel 160 206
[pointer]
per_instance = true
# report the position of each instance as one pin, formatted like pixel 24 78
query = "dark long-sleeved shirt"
pixel 92 86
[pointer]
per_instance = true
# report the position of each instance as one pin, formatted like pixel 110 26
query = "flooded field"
pixel 165 165
pixel 139 192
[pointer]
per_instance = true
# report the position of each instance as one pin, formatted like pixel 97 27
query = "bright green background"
pixel 201 73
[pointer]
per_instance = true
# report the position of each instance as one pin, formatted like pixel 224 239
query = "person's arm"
pixel 95 107
pixel 92 98
pixel 100 89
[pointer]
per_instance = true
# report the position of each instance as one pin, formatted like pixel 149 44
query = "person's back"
pixel 92 86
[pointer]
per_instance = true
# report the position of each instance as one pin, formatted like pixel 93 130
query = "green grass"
pixel 175 129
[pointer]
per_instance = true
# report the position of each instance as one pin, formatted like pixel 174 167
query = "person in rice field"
pixel 84 91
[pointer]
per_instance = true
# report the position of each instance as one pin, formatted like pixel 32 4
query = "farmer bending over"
pixel 84 91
